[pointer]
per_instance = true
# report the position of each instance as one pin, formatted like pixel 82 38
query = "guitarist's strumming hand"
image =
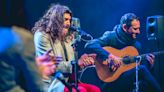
pixel 150 58
pixel 114 62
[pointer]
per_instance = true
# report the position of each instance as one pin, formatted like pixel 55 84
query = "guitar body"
pixel 103 70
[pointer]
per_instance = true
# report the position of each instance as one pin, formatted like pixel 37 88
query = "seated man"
pixel 123 35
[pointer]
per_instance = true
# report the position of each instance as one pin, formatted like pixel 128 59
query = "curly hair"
pixel 52 21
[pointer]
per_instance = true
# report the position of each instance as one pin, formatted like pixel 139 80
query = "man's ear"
pixel 124 27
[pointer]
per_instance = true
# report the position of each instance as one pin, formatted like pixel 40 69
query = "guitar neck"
pixel 133 59
pixel 154 53
pixel 158 53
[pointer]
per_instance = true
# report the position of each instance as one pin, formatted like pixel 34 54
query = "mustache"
pixel 67 26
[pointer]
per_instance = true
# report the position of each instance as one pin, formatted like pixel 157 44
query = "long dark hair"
pixel 52 21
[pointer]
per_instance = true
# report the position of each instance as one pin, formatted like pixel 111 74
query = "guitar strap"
pixel 51 43
pixel 65 51
pixel 63 46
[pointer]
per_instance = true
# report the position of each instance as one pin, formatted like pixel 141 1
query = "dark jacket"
pixel 116 38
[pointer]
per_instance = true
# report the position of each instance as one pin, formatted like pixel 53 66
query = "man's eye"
pixel 135 28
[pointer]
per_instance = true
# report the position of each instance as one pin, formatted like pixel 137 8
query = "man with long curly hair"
pixel 52 32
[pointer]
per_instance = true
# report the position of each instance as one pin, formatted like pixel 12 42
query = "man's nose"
pixel 68 23
pixel 138 31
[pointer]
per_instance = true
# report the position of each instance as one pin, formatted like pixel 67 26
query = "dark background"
pixel 96 17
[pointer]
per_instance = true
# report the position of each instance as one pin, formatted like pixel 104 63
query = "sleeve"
pixel 95 46
pixel 42 43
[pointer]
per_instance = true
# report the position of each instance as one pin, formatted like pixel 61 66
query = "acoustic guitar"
pixel 128 57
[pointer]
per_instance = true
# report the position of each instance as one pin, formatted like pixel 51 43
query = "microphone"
pixel 78 30
pixel 128 59
pixel 81 35
pixel 60 77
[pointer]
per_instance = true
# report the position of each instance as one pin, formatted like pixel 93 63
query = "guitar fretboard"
pixel 128 60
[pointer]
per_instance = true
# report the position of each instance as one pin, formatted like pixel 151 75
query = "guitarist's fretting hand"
pixel 116 62
pixel 150 58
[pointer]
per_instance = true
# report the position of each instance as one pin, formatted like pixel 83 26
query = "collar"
pixel 124 37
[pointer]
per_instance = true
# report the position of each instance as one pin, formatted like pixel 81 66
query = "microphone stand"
pixel 137 59
pixel 75 64
pixel 59 76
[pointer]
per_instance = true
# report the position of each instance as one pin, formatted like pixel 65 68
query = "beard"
pixel 66 27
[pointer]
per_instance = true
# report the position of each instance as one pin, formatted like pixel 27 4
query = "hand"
pixel 116 62
pixel 86 59
pixel 57 59
pixel 150 58
pixel 46 64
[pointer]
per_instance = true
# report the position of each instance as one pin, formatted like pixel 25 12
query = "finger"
pixel 92 55
pixel 117 65
pixel 81 64
pixel 57 60
pixel 113 68
pixel 48 63
pixel 48 51
pixel 120 62
pixel 148 57
pixel 152 56
pixel 86 61
pixel 57 63
pixel 84 56
pixel 58 57
pixel 91 60
pixel 84 64
pixel 42 58
pixel 150 60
